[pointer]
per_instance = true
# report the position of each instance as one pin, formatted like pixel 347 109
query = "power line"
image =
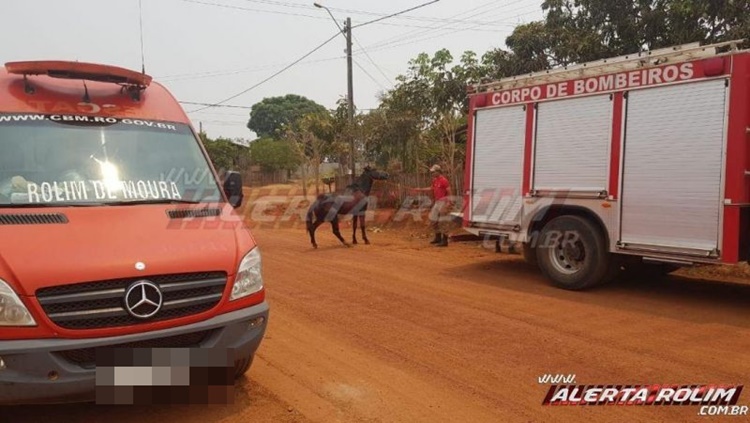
pixel 398 43
pixel 402 25
pixel 231 122
pixel 372 61
pixel 350 73
pixel 305 56
pixel 281 3
pixel 396 14
pixel 413 18
pixel 227 106
pixel 369 75
pixel 227 6
pixel 216 113
pixel 409 34
pixel 362 12
pixel 212 74
pixel 394 41
pixel 479 10
pixel 224 122
pixel 534 8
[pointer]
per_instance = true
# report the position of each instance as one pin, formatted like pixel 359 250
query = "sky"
pixel 205 51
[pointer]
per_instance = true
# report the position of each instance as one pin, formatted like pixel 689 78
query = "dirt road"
pixel 401 332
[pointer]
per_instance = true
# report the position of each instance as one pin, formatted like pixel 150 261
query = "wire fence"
pixel 259 179
pixel 398 189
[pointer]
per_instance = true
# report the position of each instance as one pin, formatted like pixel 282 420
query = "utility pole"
pixel 350 99
pixel 347 32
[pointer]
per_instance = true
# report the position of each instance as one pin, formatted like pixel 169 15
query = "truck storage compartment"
pixel 672 168
pixel 572 144
pixel 498 166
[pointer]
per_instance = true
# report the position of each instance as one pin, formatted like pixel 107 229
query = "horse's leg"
pixel 354 226
pixel 312 232
pixel 336 231
pixel 364 232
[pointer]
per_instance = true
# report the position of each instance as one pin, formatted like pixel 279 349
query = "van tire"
pixel 242 365
pixel 573 253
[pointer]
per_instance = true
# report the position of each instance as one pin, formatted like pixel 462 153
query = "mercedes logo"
pixel 143 299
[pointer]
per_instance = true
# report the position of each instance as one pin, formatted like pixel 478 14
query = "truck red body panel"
pixel 738 161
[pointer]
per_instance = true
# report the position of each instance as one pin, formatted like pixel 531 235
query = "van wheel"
pixel 573 253
pixel 242 365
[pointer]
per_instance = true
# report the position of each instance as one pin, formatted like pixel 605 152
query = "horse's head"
pixel 367 178
pixel 374 174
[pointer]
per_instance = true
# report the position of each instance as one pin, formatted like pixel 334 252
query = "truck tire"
pixel 573 253
pixel 242 365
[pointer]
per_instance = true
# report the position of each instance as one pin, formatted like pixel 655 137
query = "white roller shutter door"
pixel 498 165
pixel 673 166
pixel 572 144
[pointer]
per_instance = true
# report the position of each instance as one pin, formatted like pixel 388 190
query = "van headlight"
pixel 248 280
pixel 12 310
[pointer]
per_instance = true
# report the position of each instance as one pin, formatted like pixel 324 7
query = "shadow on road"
pixel 248 397
pixel 691 300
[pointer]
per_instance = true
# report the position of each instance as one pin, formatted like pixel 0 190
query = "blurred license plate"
pixel 164 376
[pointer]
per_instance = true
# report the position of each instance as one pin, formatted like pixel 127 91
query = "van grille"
pixel 192 213
pixel 86 357
pixel 94 305
pixel 33 219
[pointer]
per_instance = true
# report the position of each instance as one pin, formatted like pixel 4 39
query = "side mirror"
pixel 233 188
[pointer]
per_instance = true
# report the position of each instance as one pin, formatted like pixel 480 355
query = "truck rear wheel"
pixel 242 365
pixel 573 253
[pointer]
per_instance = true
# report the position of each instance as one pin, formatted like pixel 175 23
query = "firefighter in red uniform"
pixel 441 191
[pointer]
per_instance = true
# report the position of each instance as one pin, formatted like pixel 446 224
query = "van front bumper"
pixel 35 372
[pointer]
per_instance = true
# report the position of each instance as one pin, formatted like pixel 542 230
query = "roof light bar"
pixel 79 70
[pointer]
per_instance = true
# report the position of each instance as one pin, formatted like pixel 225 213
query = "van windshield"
pixel 64 160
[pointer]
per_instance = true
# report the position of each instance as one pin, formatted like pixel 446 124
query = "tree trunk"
pixel 304 178
pixel 316 174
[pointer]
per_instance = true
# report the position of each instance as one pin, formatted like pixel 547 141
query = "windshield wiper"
pixel 152 201
pixel 46 205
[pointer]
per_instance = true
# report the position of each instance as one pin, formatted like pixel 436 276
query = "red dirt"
pixel 402 332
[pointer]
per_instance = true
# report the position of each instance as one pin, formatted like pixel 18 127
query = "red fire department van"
pixel 115 231
pixel 638 161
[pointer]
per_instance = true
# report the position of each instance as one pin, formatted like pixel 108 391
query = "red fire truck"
pixel 639 161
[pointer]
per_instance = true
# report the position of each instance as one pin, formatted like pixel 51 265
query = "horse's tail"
pixel 309 217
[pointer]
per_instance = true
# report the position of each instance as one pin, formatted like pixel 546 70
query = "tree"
pixel 311 135
pixel 423 119
pixel 577 31
pixel 273 155
pixel 225 154
pixel 587 30
pixel 271 117
pixel 342 132
pixel 427 108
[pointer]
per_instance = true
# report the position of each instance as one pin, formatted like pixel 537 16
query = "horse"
pixel 354 200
